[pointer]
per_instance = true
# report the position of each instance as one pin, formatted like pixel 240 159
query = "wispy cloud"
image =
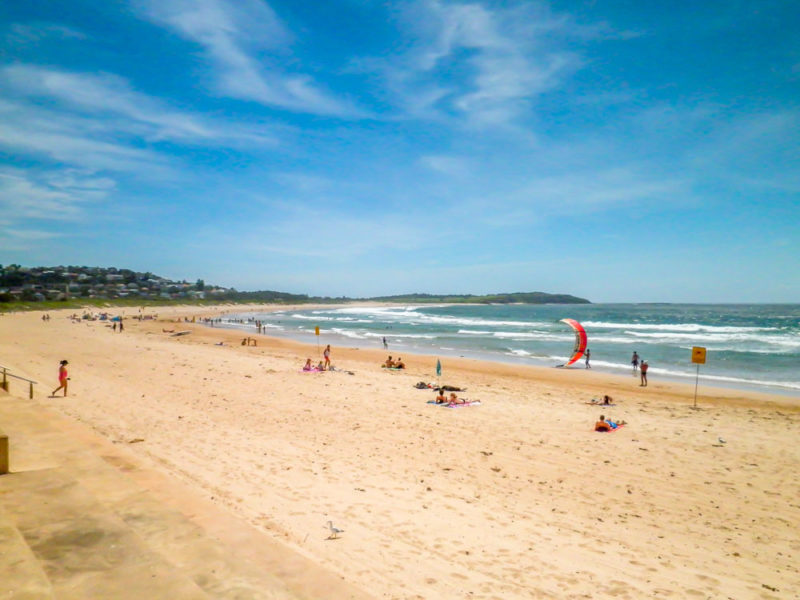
pixel 447 165
pixel 22 34
pixel 73 140
pixel 144 116
pixel 50 199
pixel 487 64
pixel 53 195
pixel 539 197
pixel 245 41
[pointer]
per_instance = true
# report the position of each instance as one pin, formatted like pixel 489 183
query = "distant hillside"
pixel 74 283
pixel 514 298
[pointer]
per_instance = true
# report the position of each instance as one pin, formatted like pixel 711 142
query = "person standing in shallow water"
pixel 63 378
pixel 588 356
pixel 635 362
pixel 643 371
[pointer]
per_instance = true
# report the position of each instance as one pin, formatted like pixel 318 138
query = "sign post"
pixel 316 333
pixel 699 358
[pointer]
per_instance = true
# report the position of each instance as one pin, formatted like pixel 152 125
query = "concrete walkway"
pixel 79 518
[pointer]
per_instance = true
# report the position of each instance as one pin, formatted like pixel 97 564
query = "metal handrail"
pixel 4 383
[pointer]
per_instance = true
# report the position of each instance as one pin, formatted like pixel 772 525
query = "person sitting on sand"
pixel 399 364
pixel 441 398
pixel 308 366
pixel 607 399
pixel 602 424
pixel 389 363
pixel 321 366
pixel 607 424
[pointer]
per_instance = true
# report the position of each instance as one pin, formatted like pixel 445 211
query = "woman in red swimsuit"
pixel 63 378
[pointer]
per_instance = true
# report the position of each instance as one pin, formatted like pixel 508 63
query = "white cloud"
pixel 144 116
pixel 50 195
pixel 20 34
pixel 447 165
pixel 244 40
pixel 494 61
pixel 54 199
pixel 73 140
pixel 537 198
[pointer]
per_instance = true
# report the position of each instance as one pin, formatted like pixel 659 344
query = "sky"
pixel 619 151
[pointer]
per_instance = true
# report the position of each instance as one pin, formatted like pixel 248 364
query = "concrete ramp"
pixel 80 518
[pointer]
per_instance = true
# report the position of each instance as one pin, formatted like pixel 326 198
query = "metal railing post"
pixel 6 375
pixel 3 454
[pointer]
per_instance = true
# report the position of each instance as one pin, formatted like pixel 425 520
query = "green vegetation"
pixel 51 288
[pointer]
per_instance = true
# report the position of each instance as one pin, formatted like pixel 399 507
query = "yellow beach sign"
pixel 699 355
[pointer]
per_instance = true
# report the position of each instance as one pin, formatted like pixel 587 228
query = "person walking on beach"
pixel 120 325
pixel 63 378
pixel 588 356
pixel 385 343
pixel 327 355
pixel 643 371
pixel 635 362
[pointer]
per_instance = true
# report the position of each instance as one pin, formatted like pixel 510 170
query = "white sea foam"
pixel 521 335
pixel 718 337
pixel 311 317
pixel 518 352
pixel 687 327
pixel 393 335
pixel 348 333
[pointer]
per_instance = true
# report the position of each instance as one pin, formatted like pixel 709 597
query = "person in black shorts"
pixel 635 361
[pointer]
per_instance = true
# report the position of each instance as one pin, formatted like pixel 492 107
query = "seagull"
pixel 335 531
pixel 721 441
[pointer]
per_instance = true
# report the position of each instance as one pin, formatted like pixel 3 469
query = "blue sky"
pixel 619 151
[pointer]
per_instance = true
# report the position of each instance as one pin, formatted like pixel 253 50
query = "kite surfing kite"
pixel 580 340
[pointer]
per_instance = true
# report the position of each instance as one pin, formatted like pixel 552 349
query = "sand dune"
pixel 516 498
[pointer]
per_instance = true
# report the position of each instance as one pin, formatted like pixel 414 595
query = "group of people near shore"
pixel 323 365
pixel 390 363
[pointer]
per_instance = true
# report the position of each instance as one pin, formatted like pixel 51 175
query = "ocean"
pixel 753 346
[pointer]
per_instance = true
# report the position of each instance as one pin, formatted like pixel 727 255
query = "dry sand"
pixel 516 498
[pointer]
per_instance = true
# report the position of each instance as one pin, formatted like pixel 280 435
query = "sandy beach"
pixel 515 498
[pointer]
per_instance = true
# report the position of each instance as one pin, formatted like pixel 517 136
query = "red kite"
pixel 580 340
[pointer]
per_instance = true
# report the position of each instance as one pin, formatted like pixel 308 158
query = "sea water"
pixel 748 346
